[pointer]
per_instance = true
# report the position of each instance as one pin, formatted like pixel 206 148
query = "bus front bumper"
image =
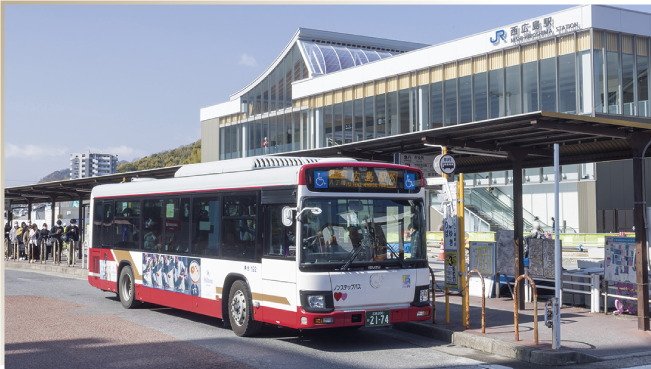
pixel 337 319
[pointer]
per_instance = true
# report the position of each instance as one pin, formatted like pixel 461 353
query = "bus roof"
pixel 247 164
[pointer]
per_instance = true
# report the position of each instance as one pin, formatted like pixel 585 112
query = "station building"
pixel 328 89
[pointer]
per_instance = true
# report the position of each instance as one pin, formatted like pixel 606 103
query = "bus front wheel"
pixel 240 310
pixel 126 288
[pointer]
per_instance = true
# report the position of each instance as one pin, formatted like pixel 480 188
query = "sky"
pixel 130 79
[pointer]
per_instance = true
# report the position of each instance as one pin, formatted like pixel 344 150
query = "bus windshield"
pixel 353 232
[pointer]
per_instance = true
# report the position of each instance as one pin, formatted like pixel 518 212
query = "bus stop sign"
pixel 444 164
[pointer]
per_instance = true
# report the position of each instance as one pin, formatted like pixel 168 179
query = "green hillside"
pixel 187 154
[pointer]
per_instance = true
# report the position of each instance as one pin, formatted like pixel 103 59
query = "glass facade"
pixel 589 72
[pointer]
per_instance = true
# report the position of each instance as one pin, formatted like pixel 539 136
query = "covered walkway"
pixel 526 141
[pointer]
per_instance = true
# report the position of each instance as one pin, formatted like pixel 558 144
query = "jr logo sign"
pixel 499 36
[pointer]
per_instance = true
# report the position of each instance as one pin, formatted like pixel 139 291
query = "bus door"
pixel 278 266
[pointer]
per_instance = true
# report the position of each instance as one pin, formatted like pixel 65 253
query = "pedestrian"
pixel 72 234
pixel 56 235
pixel 23 238
pixel 553 224
pixel 34 236
pixel 46 244
pixel 13 238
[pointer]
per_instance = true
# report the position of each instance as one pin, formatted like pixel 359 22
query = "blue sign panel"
pixel 410 181
pixel 321 179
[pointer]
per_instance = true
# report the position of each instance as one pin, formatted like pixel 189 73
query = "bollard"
pixel 515 308
pixel 595 293
pixel 43 249
pixel 483 301
pixel 56 251
pixel 447 305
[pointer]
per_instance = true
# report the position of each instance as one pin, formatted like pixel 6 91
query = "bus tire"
pixel 240 310
pixel 126 288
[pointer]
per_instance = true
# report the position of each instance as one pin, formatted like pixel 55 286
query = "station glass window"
pixel 598 70
pixel 465 99
pixel 548 84
pixel 450 113
pixel 567 83
pixel 380 115
pixel 530 87
pixel 479 96
pixel 369 118
pixel 643 86
pixel 513 93
pixel 628 78
pixel 496 93
pixel 612 82
pixel 436 105
pixel 392 125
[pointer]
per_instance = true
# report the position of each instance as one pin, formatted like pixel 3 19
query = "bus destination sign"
pixel 363 179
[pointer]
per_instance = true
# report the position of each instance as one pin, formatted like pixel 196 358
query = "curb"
pixel 492 346
pixel 61 271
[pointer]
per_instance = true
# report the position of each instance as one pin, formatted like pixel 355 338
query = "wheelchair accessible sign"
pixel 321 179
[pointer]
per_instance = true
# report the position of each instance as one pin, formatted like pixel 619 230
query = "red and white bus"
pixel 303 243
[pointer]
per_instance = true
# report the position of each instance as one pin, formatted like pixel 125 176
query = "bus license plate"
pixel 377 318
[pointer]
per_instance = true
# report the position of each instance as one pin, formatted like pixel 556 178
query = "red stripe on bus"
pixel 179 301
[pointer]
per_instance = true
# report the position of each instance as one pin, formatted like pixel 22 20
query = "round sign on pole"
pixel 444 164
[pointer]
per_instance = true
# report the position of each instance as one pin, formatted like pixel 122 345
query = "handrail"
pixel 515 308
pixel 483 301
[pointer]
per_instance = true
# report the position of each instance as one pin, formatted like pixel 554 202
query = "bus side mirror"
pixel 288 216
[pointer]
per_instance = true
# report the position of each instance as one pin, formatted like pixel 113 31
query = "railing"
pixel 516 316
pixel 483 301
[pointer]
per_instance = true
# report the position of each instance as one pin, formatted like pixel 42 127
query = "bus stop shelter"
pixel 71 190
pixel 526 141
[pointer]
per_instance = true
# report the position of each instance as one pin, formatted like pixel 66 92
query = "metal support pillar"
pixel 640 145
pixel 52 211
pixel 81 225
pixel 518 225
pixel 29 210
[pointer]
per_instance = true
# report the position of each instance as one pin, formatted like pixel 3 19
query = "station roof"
pixel 477 147
pixel 75 189
pixel 489 145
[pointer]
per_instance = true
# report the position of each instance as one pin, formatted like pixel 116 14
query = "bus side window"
pixel 152 225
pixel 281 239
pixel 98 218
pixel 206 217
pixel 240 228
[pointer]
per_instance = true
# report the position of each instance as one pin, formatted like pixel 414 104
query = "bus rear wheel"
pixel 126 288
pixel 240 310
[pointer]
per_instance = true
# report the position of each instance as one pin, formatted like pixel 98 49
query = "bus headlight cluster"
pixel 316 301
pixel 424 295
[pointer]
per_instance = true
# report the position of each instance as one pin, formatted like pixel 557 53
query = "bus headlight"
pixel 421 296
pixel 316 301
pixel 424 295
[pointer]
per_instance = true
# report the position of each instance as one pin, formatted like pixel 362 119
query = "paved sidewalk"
pixel 585 336
pixel 75 271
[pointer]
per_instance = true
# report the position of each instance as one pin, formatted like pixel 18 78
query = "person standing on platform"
pixel 72 233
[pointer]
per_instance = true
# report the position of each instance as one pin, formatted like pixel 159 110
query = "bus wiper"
pixel 352 257
pixel 393 253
